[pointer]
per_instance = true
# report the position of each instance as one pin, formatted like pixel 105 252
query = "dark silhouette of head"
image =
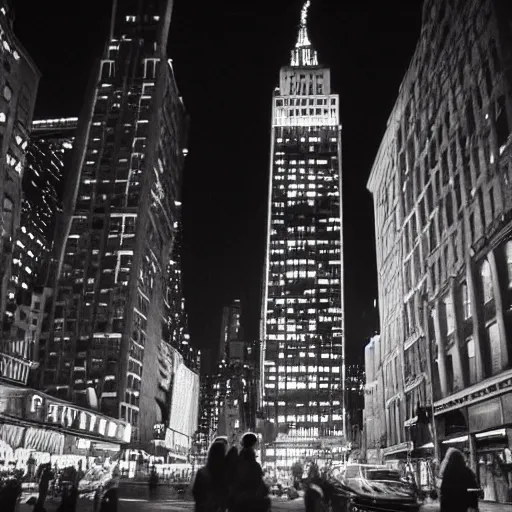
pixel 223 440
pixel 216 455
pixel 249 441
pixel 453 463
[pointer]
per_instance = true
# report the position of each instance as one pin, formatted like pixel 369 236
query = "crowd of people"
pixel 231 480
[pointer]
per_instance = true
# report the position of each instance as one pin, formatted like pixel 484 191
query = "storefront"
pixel 482 430
pixel 37 429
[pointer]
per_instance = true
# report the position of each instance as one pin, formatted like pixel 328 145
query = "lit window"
pixel 485 273
pixel 466 301
pixel 7 93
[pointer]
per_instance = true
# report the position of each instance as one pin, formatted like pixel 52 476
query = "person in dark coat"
pixel 459 488
pixel 46 476
pixel 231 474
pixel 69 498
pixel 9 495
pixel 250 491
pixel 210 488
pixel 153 483
pixel 318 492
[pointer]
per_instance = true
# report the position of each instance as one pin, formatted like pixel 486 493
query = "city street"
pixel 136 499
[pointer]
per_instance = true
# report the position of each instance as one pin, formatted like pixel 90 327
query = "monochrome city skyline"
pixel 193 247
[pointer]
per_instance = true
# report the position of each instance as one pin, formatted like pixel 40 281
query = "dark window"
pixel 458 197
pixel 470 117
pixel 449 209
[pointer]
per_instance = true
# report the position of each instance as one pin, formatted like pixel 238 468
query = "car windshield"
pixel 97 473
pixel 381 474
pixel 352 472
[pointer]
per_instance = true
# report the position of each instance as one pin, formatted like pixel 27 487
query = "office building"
pixel 122 200
pixel 441 184
pixel 302 314
pixel 230 330
pixel 176 318
pixel 47 156
pixel 18 89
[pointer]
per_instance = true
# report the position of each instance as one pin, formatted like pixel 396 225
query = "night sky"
pixel 227 56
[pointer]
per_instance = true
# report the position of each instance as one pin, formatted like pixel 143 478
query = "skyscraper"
pixel 302 317
pixel 47 155
pixel 18 88
pixel 121 206
pixel 230 330
pixel 176 318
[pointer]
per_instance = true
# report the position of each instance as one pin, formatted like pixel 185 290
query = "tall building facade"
pixel 354 401
pixel 18 89
pixel 104 341
pixel 47 155
pixel 176 318
pixel 302 315
pixel 442 192
pixel 230 330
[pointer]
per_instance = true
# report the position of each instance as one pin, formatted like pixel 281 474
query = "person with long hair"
pixel 459 488
pixel 231 474
pixel 210 489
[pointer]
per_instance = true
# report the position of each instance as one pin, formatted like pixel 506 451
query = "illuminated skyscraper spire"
pixel 303 54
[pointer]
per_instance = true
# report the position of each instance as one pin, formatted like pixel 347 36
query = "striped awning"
pixel 38 439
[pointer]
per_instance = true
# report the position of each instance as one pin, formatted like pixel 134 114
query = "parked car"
pixel 369 488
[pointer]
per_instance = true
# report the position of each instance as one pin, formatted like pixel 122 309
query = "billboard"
pixel 166 358
pixel 185 399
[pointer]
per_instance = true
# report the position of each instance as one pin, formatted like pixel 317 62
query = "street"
pixel 164 501
pixel 133 498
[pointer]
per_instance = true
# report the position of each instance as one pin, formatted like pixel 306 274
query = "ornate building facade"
pixel 442 192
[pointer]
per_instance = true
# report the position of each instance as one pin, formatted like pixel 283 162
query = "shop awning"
pixel 38 439
pixel 45 441
pixel 12 435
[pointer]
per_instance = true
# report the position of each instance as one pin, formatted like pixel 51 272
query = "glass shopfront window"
pixel 495 474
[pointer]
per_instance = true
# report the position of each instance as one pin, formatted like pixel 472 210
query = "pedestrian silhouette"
pixel 210 489
pixel 231 475
pixel 459 488
pixel 250 491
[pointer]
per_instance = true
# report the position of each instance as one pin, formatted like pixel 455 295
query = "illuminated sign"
pixel 38 407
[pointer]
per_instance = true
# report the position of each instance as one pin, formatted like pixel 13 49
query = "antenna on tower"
pixel 304 54
pixel 304 13
pixel 303 39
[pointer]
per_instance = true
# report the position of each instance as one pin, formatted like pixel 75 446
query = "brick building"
pixel 442 192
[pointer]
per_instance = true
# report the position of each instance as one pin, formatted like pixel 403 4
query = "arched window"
pixel 508 256
pixel 7 216
pixel 485 273
pixel 37 403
